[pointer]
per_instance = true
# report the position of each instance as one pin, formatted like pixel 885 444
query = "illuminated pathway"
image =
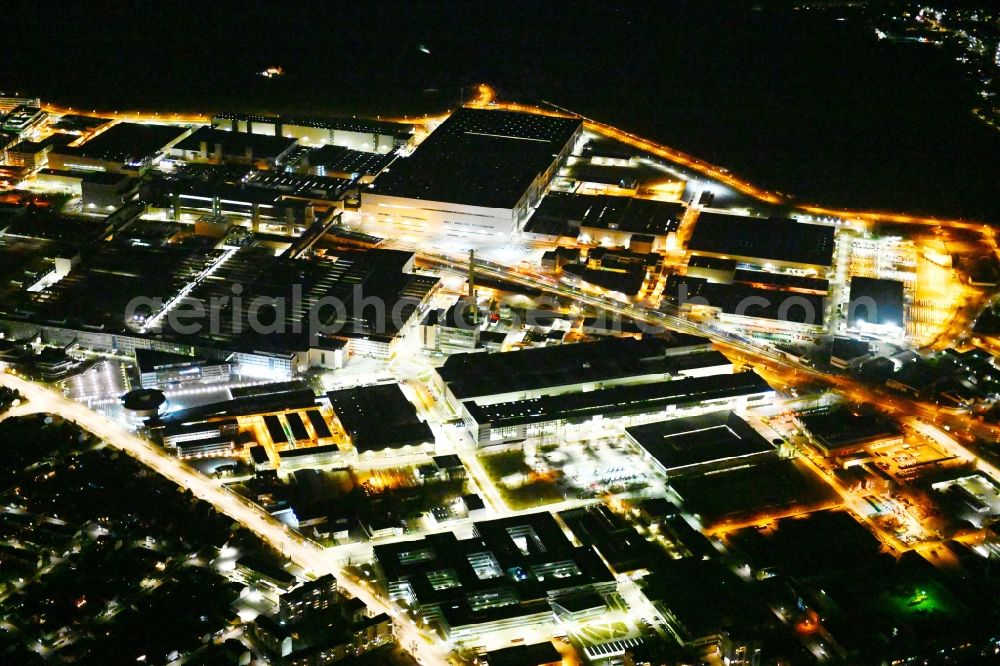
pixel 130 116
pixel 305 553
pixel 486 98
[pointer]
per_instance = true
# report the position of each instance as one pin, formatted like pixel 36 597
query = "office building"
pixel 161 369
pixel 22 119
pixel 10 102
pixel 507 575
pixel 29 154
pixel 451 330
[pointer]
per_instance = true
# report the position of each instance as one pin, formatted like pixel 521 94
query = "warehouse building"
pixel 585 366
pixel 751 307
pixel 212 146
pixel 122 148
pixel 840 432
pixel 379 420
pixel 771 243
pixel 577 415
pixel 476 176
pixel 371 136
pixel 608 220
pixel 876 306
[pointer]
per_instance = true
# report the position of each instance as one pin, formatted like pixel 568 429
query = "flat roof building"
pixel 698 444
pixel 176 432
pixel 379 417
pixel 846 352
pixel 204 448
pixel 451 330
pixel 342 162
pixel 310 457
pixel 124 147
pixel 876 306
pixel 503 577
pixel 259 458
pixel 159 369
pixel 67 313
pixel 840 432
pixel 319 425
pixel 298 428
pixel 477 175
pixel 31 154
pixel 359 134
pixel 616 540
pixel 611 220
pixel 528 373
pixel 751 306
pixel 310 597
pixel 703 601
pixel 778 241
pixel 802 284
pixel 22 119
pixel 569 415
pixel 10 102
pixel 538 654
pixel 213 146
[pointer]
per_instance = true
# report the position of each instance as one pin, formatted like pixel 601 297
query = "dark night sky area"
pixel 794 101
